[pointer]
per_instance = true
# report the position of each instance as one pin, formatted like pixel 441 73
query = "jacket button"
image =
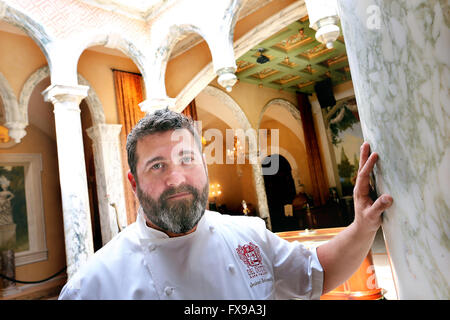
pixel 152 247
pixel 168 291
pixel 211 229
pixel 231 268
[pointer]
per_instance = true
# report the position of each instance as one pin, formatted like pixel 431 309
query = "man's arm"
pixel 342 256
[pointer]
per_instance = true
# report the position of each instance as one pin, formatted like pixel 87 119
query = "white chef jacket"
pixel 226 257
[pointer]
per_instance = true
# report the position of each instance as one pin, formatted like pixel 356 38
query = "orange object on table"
pixel 362 285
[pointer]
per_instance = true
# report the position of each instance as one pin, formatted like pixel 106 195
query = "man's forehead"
pixel 171 138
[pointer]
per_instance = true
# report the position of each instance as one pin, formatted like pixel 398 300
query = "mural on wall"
pixel 347 138
pixel 13 207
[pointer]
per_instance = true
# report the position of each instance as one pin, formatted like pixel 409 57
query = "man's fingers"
pixel 368 166
pixel 363 178
pixel 363 155
pixel 381 204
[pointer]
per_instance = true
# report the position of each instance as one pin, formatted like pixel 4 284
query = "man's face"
pixel 172 184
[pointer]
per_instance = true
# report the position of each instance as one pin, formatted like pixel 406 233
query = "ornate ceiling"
pixel 296 60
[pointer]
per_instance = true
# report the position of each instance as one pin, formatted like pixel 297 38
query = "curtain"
pixel 129 94
pixel 319 184
pixel 191 111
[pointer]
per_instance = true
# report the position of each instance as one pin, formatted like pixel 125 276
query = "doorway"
pixel 280 190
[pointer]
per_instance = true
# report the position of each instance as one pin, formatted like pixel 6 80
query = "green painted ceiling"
pixel 297 61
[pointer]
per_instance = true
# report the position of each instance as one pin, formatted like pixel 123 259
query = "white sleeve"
pixel 70 292
pixel 297 270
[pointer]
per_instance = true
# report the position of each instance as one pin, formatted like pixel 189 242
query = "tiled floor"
pixel 382 267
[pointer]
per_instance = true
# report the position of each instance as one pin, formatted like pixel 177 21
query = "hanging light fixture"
pixel 323 17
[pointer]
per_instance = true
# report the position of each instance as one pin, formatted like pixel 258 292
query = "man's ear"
pixel 132 181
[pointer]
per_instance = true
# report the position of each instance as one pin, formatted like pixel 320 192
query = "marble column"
pixel 108 172
pixel 72 173
pixel 399 59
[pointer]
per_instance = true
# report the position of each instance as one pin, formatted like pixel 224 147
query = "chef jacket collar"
pixel 148 234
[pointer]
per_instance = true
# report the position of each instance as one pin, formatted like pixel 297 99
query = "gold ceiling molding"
pixel 267 72
pixel 287 78
pixel 309 69
pixel 305 84
pixel 296 60
pixel 243 65
pixel 316 52
pixel 334 60
pixel 287 63
pixel 294 41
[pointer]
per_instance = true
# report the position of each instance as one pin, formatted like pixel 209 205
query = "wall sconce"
pixel 215 190
pixel 323 17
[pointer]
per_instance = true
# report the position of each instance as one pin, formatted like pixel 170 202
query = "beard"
pixel 176 216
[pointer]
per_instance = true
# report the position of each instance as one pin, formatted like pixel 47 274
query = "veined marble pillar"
pixel 108 172
pixel 72 173
pixel 399 59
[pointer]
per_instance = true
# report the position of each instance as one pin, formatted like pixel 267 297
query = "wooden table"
pixel 362 285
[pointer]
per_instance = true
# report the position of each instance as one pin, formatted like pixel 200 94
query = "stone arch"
pixel 260 32
pixel 213 21
pixel 289 106
pixel 31 27
pixel 255 162
pixel 114 40
pixel 295 113
pixel 93 102
pixel 106 149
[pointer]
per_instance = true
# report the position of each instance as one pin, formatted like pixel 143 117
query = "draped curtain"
pixel 191 111
pixel 129 94
pixel 319 184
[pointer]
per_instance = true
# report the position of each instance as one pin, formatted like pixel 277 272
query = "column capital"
pixel 57 93
pixel 104 132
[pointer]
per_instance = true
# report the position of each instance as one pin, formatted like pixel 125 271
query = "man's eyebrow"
pixel 183 152
pixel 154 159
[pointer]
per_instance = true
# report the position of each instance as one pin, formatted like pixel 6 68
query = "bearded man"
pixel 177 249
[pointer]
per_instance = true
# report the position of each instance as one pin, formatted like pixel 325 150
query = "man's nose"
pixel 175 177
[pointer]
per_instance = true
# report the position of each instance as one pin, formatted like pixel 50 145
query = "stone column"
pixel 108 172
pixel 398 55
pixel 72 173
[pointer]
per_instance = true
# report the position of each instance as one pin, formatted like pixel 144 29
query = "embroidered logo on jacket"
pixel 251 257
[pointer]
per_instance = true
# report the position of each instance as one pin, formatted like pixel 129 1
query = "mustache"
pixel 180 189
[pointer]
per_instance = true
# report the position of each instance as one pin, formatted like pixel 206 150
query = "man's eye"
pixel 157 166
pixel 187 160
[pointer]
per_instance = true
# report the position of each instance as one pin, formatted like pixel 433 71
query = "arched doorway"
pixel 280 190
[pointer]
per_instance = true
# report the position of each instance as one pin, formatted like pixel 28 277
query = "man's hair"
pixel 160 121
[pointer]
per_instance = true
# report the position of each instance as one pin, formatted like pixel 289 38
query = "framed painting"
pixel 21 205
pixel 347 138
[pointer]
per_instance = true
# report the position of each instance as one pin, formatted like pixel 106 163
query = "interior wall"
pixel 252 98
pixel 19 58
